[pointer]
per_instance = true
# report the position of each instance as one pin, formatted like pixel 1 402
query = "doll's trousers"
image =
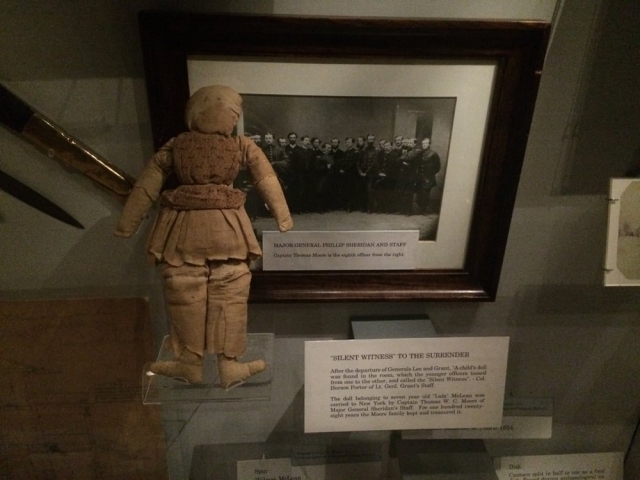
pixel 207 305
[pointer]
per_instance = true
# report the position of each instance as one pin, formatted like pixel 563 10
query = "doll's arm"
pixel 266 183
pixel 145 192
pixel 271 192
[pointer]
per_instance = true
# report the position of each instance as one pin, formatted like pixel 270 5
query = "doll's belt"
pixel 203 197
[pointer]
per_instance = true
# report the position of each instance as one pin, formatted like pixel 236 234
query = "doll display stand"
pixel 445 460
pixel 425 459
pixel 158 389
pixel 402 326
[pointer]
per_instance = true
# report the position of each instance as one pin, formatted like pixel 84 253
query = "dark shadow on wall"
pixel 603 142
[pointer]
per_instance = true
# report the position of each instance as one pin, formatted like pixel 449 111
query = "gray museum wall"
pixel 571 339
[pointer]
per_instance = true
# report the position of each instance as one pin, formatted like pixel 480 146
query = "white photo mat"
pixel 470 83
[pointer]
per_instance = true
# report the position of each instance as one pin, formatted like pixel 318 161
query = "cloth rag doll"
pixel 203 237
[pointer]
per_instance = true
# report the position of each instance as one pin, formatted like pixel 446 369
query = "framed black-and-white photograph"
pixel 409 105
pixel 336 179
pixel 622 258
pixel 458 94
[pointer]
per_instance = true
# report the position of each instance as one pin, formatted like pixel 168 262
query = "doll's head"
pixel 213 109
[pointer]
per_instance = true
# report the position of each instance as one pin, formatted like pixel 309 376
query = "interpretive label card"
pixel 589 466
pixel 324 250
pixel 410 383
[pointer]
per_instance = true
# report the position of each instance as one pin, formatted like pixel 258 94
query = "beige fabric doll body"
pixel 203 236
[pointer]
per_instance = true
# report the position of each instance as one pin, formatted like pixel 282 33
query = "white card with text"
pixel 277 468
pixel 587 466
pixel 352 250
pixel 409 383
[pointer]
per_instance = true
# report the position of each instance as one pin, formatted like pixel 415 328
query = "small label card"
pixel 310 462
pixel 410 383
pixel 324 250
pixel 588 466
pixel 278 468
pixel 523 418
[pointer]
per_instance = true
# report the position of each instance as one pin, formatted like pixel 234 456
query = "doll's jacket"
pixel 204 217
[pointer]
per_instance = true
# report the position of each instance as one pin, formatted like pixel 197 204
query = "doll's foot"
pixel 188 367
pixel 233 373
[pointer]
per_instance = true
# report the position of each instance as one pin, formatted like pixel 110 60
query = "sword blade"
pixel 38 130
pixel 32 198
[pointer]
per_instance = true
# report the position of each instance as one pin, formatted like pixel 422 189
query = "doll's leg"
pixel 229 284
pixel 228 294
pixel 186 298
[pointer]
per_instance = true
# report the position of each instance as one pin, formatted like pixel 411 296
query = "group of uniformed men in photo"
pixel 367 175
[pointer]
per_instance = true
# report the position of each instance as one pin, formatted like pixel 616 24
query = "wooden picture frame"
pixel 517 50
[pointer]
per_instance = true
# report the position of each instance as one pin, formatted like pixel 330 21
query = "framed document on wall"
pixel 462 89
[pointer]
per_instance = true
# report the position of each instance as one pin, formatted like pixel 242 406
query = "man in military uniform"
pixel 335 149
pixel 406 185
pixel 322 170
pixel 345 177
pixel 392 167
pixel 384 179
pixel 366 171
pixel 302 160
pixel 278 159
pixel 297 169
pixel 316 144
pixel 426 169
